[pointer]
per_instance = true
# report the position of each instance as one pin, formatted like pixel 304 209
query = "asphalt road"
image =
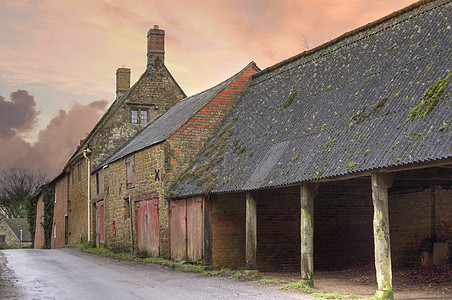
pixel 71 274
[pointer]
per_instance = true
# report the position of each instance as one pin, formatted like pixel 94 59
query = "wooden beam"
pixel 308 191
pixel 380 184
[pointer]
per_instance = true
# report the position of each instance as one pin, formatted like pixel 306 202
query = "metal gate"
pixel 148 229
pixel 187 229
pixel 100 232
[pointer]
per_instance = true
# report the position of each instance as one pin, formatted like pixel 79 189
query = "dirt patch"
pixel 409 282
pixel 8 287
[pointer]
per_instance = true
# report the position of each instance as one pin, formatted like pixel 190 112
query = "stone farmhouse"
pixel 352 140
pixel 131 209
pixel 150 97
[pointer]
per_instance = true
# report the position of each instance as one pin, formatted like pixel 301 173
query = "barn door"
pixel 100 232
pixel 178 230
pixel 194 229
pixel 148 229
pixel 187 230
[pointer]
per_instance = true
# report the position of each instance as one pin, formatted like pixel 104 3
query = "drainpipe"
pixel 89 190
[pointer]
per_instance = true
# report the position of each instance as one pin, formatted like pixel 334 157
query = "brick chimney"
pixel 156 47
pixel 122 81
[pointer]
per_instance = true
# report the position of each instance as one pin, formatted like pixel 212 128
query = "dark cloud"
pixel 56 143
pixel 17 115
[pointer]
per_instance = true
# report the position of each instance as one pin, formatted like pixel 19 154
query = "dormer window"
pixel 139 116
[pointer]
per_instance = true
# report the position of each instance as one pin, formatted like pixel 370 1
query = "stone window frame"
pixel 140 112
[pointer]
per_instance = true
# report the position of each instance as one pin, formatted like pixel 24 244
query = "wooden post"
pixel 380 184
pixel 251 232
pixel 308 191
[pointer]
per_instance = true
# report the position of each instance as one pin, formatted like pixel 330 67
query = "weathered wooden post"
pixel 251 232
pixel 308 191
pixel 380 184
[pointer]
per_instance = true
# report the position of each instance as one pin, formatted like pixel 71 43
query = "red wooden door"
pixel 194 229
pixel 178 230
pixel 100 231
pixel 148 227
pixel 187 230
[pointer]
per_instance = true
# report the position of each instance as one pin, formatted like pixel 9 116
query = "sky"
pixel 58 58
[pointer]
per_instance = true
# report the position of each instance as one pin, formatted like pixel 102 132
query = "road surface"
pixel 69 273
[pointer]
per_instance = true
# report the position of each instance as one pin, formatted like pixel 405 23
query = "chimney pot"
pixel 122 81
pixel 156 47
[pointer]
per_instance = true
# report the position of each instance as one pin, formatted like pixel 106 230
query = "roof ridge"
pixel 352 33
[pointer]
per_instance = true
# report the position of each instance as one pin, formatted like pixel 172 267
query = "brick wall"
pixel 343 228
pixel 186 142
pixel 228 230
pixel 278 229
pixel 39 233
pixel 411 221
pixel 60 209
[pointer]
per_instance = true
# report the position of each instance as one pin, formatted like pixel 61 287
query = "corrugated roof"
pixel 171 121
pixel 342 109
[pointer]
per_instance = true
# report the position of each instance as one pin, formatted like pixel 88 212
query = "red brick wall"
pixel 190 138
pixel 39 233
pixel 278 229
pixel 343 228
pixel 228 231
pixel 60 209
pixel 411 222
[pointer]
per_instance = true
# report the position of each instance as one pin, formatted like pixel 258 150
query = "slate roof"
pixel 170 122
pixel 344 107
pixel 19 224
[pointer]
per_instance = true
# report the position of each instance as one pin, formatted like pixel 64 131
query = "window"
pixel 126 207
pixel 97 183
pixel 134 116
pixel 144 117
pixel 130 171
pixel 138 116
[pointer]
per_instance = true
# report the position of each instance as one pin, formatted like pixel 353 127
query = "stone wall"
pixel 10 237
pixel 156 91
pixel 114 191
pixel 77 207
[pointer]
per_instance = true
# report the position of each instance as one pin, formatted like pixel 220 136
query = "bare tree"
pixel 15 186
